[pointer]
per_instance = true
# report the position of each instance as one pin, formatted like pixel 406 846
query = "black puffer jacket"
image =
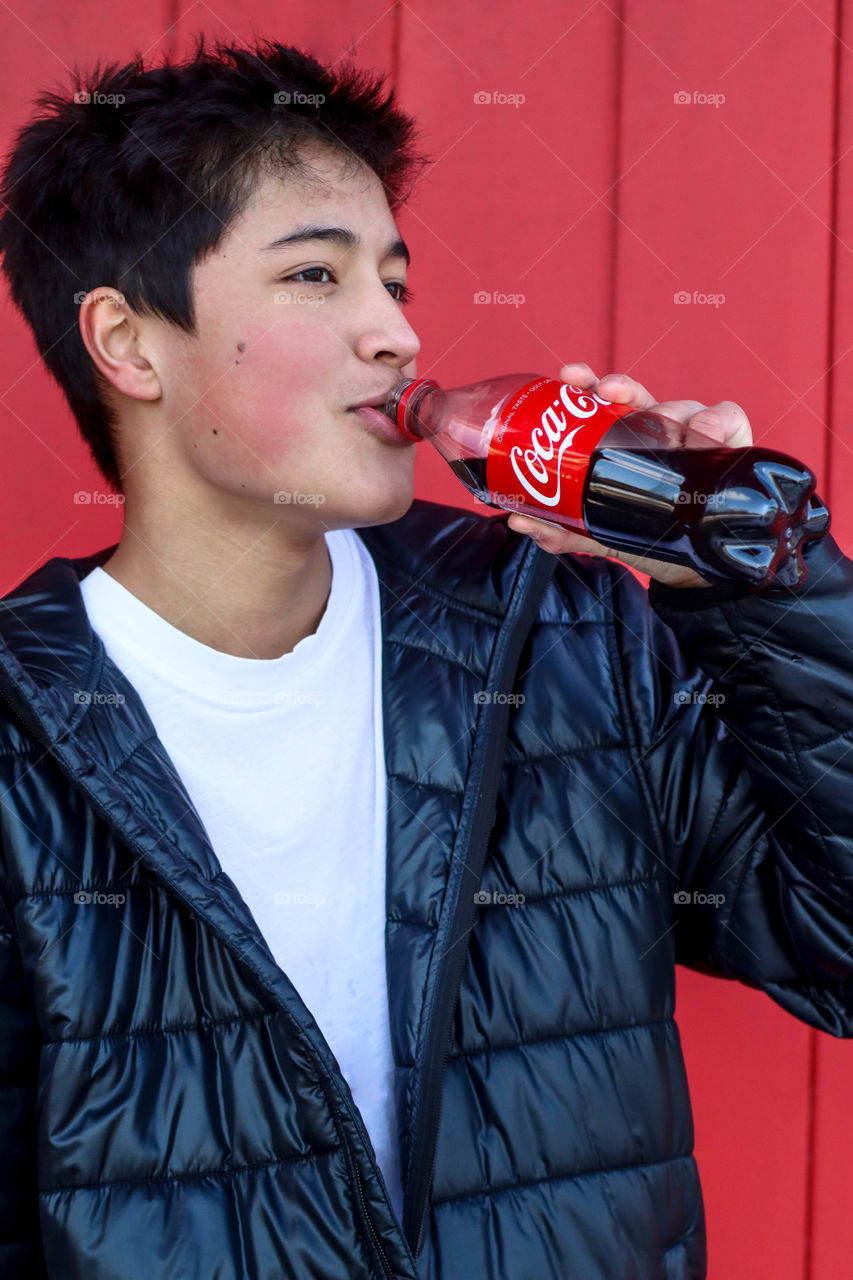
pixel 170 1109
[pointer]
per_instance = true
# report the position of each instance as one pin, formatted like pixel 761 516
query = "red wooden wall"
pixel 660 149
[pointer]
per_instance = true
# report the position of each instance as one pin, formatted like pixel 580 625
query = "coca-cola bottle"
pixel 633 479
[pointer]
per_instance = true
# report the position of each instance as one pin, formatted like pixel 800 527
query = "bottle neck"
pixel 404 403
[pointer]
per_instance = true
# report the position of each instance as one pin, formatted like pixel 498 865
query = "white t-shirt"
pixel 283 760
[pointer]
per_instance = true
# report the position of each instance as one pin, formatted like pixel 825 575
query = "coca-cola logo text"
pixel 535 467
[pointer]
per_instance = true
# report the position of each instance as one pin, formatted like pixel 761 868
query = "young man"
pixel 348 843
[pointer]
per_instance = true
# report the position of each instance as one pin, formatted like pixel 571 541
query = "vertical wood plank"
pixel 832 1196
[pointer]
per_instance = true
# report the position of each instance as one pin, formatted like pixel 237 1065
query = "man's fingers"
pixel 579 374
pixel 680 410
pixel 725 421
pixel 617 387
pixel 620 389
pixel 556 538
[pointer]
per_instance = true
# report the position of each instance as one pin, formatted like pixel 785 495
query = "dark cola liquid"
pixel 730 514
pixel 472 473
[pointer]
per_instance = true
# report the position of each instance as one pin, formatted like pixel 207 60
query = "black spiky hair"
pixel 133 174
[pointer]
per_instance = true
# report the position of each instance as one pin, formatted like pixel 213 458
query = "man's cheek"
pixel 276 385
pixel 298 332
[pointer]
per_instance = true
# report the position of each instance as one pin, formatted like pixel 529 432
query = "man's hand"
pixel 725 421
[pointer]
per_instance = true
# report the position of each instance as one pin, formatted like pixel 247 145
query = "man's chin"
pixel 390 514
pixel 381 513
pixel 383 507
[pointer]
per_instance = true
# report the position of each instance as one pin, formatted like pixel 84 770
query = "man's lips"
pixel 379 424
pixel 377 401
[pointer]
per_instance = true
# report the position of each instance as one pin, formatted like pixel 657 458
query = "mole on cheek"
pixel 241 346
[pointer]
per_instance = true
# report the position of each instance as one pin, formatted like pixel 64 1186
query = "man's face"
pixel 258 403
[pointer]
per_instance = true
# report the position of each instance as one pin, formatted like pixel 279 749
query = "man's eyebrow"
pixel 342 236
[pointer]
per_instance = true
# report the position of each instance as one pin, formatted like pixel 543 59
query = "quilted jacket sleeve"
pixel 20 1240
pixel 742 716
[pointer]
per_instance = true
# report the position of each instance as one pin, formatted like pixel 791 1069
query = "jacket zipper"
pixel 35 729
pixel 377 1243
pixel 425 1137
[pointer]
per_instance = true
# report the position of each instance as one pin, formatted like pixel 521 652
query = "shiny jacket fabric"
pixel 673 785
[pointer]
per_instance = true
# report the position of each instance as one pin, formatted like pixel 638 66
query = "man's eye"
pixel 404 294
pixel 307 272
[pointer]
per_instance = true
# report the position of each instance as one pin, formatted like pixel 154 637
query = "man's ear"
pixel 111 333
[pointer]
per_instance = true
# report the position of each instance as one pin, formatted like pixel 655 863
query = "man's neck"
pixel 252 602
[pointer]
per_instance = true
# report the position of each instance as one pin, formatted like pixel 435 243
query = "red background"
pixel 599 198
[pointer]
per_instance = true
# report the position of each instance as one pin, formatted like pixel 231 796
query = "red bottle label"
pixel 542 442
